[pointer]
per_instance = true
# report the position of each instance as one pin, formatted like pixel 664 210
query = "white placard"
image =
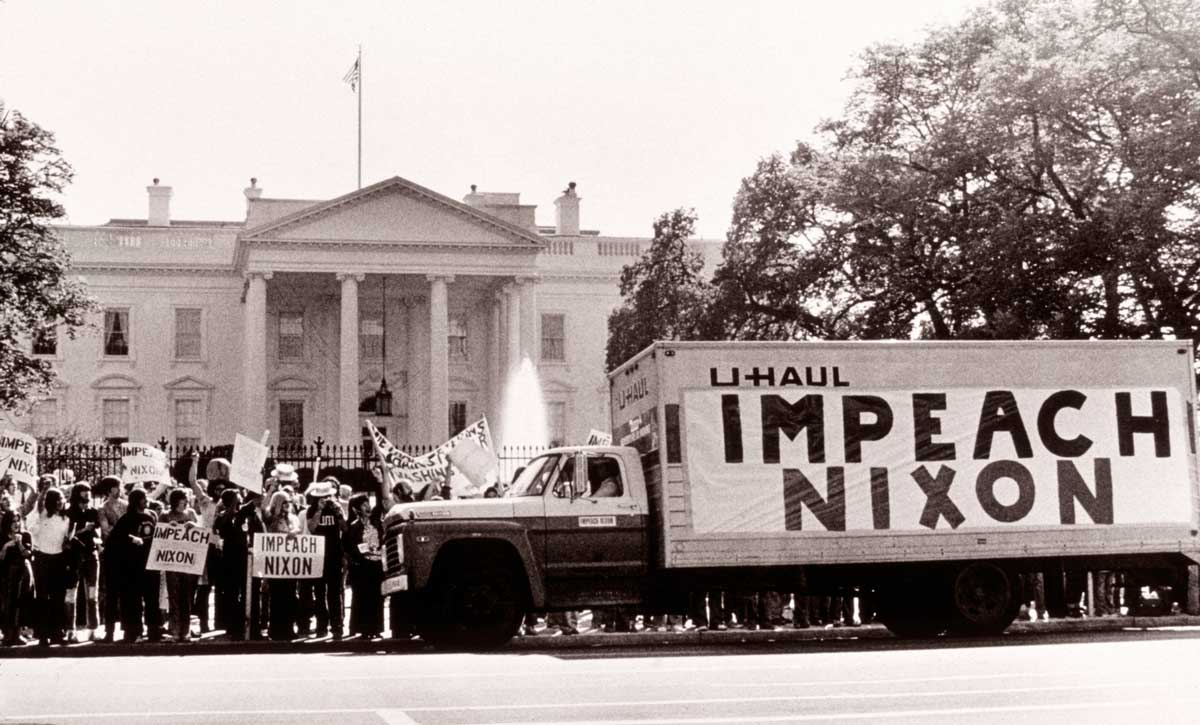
pixel 245 469
pixel 18 456
pixel 179 548
pixel 287 556
pixel 141 463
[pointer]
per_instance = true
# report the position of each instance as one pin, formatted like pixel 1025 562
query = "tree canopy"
pixel 1030 172
pixel 37 297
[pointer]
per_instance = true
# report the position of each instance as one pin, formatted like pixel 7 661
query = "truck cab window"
pixel 604 477
pixel 565 478
pixel 533 479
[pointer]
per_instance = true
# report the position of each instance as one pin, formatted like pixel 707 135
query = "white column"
pixel 439 351
pixel 254 357
pixel 348 429
pixel 418 422
pixel 529 319
pixel 496 379
pixel 513 328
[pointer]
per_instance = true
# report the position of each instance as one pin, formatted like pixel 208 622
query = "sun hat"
pixel 321 489
pixel 285 473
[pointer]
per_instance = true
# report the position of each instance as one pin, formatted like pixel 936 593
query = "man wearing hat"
pixel 284 474
pixel 325 518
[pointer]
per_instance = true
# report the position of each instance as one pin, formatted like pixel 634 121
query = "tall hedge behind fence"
pixel 350 464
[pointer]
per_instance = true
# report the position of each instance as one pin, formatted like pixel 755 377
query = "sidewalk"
pixel 220 645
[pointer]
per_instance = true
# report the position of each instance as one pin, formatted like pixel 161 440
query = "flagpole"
pixel 360 116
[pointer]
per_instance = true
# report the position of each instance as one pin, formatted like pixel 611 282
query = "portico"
pixel 461 312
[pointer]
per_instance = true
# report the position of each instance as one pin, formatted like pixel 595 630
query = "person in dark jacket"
pixel 237 531
pixel 16 576
pixel 363 555
pixel 130 540
pixel 325 519
pixel 84 565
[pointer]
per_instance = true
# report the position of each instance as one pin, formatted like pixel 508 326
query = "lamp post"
pixel 383 396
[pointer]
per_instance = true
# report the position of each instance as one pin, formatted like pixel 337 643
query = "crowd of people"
pixel 73 562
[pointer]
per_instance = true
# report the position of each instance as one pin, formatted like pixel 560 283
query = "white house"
pixel 280 321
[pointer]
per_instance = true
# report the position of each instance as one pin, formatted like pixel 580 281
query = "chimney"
pixel 252 192
pixel 160 205
pixel 475 199
pixel 566 213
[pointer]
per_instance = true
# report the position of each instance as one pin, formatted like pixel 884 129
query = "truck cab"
pixel 571 532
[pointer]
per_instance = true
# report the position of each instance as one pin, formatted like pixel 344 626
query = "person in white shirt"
pixel 49 528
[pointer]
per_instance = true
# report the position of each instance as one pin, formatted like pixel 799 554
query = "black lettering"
pixel 305 568
pixel 853 428
pixel 1055 443
pixel 881 509
pixel 806 414
pixel 837 379
pixel 808 375
pixel 1000 414
pixel 731 427
pixel 937 497
pixel 716 383
pixel 1156 424
pixel 798 493
pixel 985 490
pixel 269 566
pixel 1072 488
pixel 791 376
pixel 758 378
pixel 926 426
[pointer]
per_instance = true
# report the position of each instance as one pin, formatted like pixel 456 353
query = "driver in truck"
pixel 605 475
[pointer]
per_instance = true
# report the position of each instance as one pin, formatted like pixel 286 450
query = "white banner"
pixel 431 467
pixel 141 463
pixel 934 460
pixel 179 547
pixel 287 556
pixel 18 456
pixel 245 469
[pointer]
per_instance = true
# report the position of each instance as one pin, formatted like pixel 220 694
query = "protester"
pixel 325 519
pixel 16 577
pixel 365 568
pixel 139 587
pixel 83 565
pixel 113 508
pixel 48 527
pixel 180 586
pixel 279 519
pixel 208 499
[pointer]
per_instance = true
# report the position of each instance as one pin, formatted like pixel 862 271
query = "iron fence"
pixel 350 464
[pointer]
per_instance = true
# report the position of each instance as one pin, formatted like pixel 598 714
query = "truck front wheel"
pixel 474 608
pixel 985 599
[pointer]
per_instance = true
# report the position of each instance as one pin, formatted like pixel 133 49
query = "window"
pixel 116 333
pixel 114 416
pixel 458 337
pixel 556 423
pixel 370 338
pixel 44 421
pixel 189 423
pixel 45 342
pixel 291 335
pixel 458 416
pixel 187 333
pixel 291 423
pixel 554 338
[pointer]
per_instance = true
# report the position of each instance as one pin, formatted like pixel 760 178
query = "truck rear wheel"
pixel 474 608
pixel 984 599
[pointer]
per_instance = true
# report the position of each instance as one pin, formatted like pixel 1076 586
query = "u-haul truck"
pixel 926 476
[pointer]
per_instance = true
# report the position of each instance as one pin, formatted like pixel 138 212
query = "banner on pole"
pixel 18 456
pixel 141 463
pixel 466 480
pixel 287 556
pixel 245 469
pixel 179 548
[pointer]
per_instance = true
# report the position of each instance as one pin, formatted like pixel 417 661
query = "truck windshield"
pixel 533 479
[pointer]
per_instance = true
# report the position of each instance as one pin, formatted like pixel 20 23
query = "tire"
pixel 474 609
pixel 984 599
pixel 915 610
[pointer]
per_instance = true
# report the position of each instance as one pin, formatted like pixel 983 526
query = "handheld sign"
pixel 283 556
pixel 179 548
pixel 249 456
pixel 141 463
pixel 598 438
pixel 18 456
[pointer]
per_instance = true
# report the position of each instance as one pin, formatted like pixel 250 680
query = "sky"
pixel 647 106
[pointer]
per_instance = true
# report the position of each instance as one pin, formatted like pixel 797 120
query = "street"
pixel 1082 677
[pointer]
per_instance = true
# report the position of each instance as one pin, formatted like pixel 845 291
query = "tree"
pixel 664 291
pixel 37 297
pixel 1033 171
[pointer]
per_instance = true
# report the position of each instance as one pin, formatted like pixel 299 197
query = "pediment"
pixel 187 382
pixel 116 381
pixel 394 211
pixel 291 383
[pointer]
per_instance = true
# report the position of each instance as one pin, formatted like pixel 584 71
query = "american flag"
pixel 352 75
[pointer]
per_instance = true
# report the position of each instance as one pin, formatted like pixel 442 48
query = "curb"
pixel 582 641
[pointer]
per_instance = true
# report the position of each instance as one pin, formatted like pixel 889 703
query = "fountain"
pixel 523 414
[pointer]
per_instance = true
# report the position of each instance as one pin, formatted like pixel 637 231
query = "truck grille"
pixel 393 556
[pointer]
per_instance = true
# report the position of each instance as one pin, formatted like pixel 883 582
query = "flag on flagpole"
pixel 352 75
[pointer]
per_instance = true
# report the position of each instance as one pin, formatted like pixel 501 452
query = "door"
pixel 595 532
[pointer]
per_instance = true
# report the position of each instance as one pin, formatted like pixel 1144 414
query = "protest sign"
pixel 249 456
pixel 141 463
pixel 286 556
pixel 477 464
pixel 598 438
pixel 18 456
pixel 179 547
pixel 430 468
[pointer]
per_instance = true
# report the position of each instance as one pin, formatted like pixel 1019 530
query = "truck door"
pixel 595 530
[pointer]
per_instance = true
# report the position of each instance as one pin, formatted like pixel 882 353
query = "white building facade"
pixel 289 320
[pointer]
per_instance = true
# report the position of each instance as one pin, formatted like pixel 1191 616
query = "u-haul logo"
pixel 597 521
